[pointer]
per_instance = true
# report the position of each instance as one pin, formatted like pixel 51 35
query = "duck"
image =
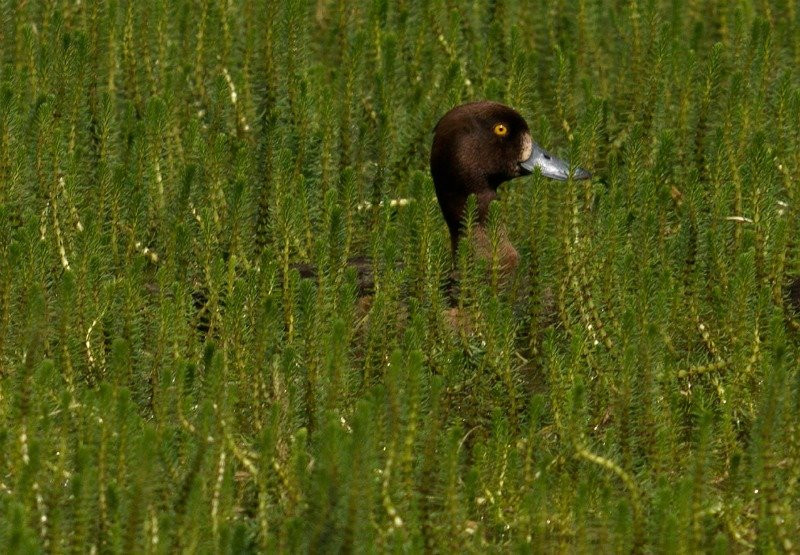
pixel 477 147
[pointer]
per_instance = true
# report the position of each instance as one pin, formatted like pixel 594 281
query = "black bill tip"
pixel 580 173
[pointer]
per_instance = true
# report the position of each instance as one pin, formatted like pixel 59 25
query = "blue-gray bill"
pixel 550 166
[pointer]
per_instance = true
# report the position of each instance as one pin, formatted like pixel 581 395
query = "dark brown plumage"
pixel 467 157
pixel 477 147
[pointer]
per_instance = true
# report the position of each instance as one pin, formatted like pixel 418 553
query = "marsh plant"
pixel 170 382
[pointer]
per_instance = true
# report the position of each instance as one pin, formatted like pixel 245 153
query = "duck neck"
pixel 456 225
pixel 496 250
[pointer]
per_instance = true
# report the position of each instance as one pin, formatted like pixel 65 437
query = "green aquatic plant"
pixel 172 377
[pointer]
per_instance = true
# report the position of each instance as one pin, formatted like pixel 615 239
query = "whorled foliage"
pixel 170 382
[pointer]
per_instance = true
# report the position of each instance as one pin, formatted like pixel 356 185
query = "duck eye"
pixel 500 130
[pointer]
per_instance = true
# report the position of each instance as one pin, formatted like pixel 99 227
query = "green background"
pixel 169 383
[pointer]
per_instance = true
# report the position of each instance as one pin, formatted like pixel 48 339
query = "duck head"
pixel 478 146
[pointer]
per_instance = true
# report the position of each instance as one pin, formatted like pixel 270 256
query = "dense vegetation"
pixel 169 382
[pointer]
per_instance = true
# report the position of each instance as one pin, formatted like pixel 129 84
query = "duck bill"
pixel 550 166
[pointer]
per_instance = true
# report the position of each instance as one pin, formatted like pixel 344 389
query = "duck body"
pixel 477 147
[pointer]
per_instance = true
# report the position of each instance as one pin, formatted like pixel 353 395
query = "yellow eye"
pixel 500 130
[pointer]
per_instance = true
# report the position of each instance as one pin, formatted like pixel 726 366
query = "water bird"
pixel 477 147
